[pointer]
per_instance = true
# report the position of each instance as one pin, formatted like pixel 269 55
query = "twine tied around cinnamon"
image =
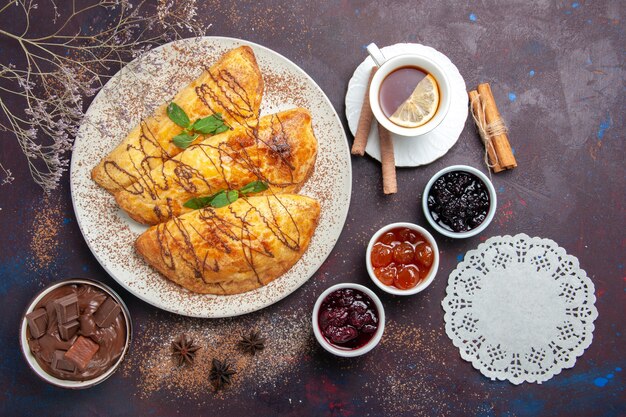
pixel 492 129
pixel 487 130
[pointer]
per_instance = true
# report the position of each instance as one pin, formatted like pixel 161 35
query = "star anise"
pixel 221 374
pixel 184 350
pixel 252 343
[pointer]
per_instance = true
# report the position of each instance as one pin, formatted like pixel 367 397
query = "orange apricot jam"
pixel 402 258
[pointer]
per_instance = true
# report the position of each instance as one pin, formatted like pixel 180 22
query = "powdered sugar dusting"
pixel 288 339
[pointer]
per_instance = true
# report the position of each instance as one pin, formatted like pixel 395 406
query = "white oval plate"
pixel 133 93
pixel 419 150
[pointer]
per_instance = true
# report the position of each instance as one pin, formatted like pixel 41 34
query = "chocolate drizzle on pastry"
pixel 235 248
pixel 280 150
pixel 223 235
pixel 233 86
pixel 238 111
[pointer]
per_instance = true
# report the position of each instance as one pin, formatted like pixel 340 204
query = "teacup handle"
pixel 376 54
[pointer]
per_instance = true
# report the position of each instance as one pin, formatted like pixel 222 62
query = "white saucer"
pixel 419 150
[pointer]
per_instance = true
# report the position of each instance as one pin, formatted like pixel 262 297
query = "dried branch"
pixel 65 65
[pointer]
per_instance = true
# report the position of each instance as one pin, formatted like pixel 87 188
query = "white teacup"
pixel 386 67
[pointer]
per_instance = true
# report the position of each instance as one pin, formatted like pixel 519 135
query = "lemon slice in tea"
pixel 421 105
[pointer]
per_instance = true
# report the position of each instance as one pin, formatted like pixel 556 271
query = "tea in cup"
pixel 409 94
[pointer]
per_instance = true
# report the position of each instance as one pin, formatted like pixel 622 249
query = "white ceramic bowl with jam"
pixel 348 320
pixel 459 201
pixel 406 258
pixel 73 304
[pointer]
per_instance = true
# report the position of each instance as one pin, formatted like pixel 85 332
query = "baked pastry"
pixel 232 249
pixel 281 152
pixel 233 87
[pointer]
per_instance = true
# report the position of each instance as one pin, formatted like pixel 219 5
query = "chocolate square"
pixel 107 312
pixel 37 322
pixel 67 308
pixel 68 330
pixel 59 362
pixel 81 352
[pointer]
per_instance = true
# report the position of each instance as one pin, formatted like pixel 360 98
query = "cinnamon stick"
pixel 477 110
pixel 365 120
pixel 388 161
pixel 492 115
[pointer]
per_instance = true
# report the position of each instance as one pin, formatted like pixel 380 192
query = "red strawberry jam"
pixel 348 318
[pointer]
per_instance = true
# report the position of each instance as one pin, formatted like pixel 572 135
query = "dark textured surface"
pixel 556 70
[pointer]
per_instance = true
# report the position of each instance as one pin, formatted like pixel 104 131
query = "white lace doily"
pixel 520 308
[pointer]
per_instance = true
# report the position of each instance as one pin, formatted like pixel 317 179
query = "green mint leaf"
pixel 224 198
pixel 222 128
pixel 207 125
pixel 219 200
pixel 253 187
pixel 232 195
pixel 183 140
pixel 177 115
pixel 198 202
pixel 201 202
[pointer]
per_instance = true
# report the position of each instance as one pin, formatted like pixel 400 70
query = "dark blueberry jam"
pixel 458 201
pixel 348 318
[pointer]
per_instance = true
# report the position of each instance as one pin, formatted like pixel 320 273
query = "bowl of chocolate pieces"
pixel 75 333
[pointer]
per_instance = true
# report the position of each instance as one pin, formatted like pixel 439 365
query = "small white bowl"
pixel 425 282
pixel 349 353
pixel 30 358
pixel 493 202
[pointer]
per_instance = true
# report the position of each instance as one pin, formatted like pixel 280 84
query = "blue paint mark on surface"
pixel 527 407
pixel 12 271
pixel 531 73
pixel 604 126
pixel 585 378
pixel 489 411
pixel 66 220
pixel 459 257
pixel 575 5
pixel 472 17
pixel 618 369
pixel 501 189
pixel 600 382
pixel 512 96
pixel 536 47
